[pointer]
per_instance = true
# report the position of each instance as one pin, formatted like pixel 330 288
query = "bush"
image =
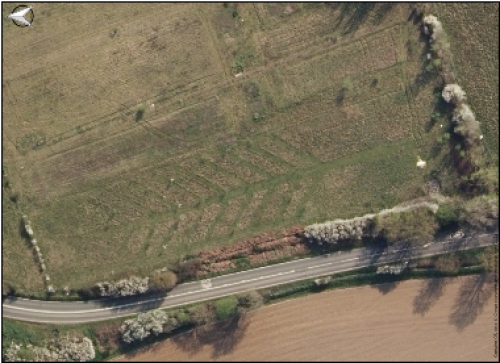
pixel 467 125
pixel 339 229
pixel 62 349
pixel 447 263
pixel 480 212
pixel 486 179
pixel 248 301
pixel 132 286
pixel 153 321
pixel 226 307
pixel 202 314
pixel 438 35
pixel 489 258
pixel 242 262
pixel 183 317
pixel 163 280
pixel 140 113
pixel 447 215
pixel 187 270
pixel 417 226
pixel 453 93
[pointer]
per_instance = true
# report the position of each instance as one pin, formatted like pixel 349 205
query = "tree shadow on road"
pixel 473 295
pixel 223 336
pixel 430 292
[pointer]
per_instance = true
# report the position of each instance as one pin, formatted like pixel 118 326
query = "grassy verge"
pixel 358 279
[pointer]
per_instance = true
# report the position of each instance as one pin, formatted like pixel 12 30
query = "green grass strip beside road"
pixel 356 279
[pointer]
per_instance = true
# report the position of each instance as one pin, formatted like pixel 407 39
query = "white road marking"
pixel 350 259
pixel 325 264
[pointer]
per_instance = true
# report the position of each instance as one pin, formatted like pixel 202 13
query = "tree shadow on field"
pixel 430 292
pixel 353 15
pixel 472 297
pixel 222 336
pixel 387 287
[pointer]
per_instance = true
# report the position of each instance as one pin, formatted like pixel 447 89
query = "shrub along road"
pixel 85 311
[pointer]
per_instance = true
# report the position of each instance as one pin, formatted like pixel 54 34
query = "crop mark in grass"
pixel 271 209
pixel 275 146
pixel 161 231
pixel 240 169
pixel 229 215
pixel 254 203
pixel 381 48
pixel 299 190
pixel 260 161
pixel 208 216
pixel 193 123
pixel 137 239
pixel 210 172
pixel 180 240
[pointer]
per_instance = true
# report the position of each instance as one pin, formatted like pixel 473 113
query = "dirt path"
pixel 439 319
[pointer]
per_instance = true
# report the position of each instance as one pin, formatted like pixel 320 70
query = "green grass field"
pixel 325 121
pixel 475 53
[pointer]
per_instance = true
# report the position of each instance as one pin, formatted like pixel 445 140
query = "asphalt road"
pixel 80 311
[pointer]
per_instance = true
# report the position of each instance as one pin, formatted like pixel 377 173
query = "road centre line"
pixel 325 264
pixel 351 259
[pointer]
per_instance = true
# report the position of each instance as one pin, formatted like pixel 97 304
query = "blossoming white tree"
pixel 139 328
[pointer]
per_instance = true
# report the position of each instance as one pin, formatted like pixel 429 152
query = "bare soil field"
pixel 417 320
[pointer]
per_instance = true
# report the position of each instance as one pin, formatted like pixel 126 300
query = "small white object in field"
pixel 180 205
pixel 428 55
pixel 172 180
pixel 152 105
pixel 421 164
pixel 481 137
pixel 238 74
pixel 441 125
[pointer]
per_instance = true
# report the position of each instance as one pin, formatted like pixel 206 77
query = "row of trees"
pixel 64 349
pixel 125 287
pixel 451 262
pixel 337 230
pixel 479 177
pixel 34 243
pixel 160 281
pixel 415 224
pixel 463 118
pixel 158 321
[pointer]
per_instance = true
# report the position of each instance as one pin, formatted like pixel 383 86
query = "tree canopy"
pixel 416 226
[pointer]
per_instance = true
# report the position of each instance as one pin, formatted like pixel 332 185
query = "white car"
pixel 458 234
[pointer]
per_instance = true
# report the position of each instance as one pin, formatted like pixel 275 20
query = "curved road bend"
pixel 79 311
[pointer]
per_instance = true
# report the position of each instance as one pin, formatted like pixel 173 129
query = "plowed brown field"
pixel 439 319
